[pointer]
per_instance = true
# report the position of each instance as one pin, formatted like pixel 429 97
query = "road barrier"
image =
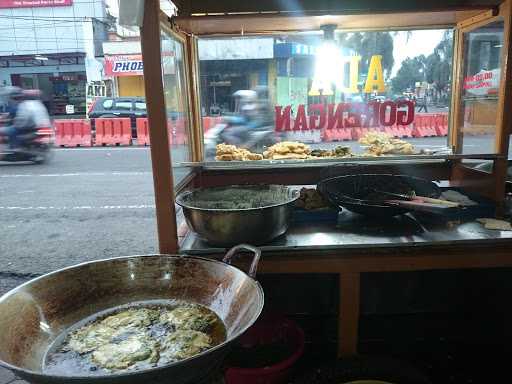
pixel 142 131
pixel 116 131
pixel 210 122
pixel 177 131
pixel 342 134
pixel 441 124
pixel 73 133
pixel 424 125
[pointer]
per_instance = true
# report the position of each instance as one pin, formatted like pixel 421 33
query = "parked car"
pixel 109 107
pixel 132 107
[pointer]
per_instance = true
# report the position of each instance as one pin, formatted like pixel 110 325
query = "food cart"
pixel 316 90
pixel 320 248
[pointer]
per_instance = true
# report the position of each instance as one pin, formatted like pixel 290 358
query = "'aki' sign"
pixel 344 115
pixel 374 79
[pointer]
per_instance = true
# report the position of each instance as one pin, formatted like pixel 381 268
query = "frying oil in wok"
pixel 134 337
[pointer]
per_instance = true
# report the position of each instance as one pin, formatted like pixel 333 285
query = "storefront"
pixel 61 78
pixel 127 70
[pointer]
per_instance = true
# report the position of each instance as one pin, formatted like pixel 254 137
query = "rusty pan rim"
pixel 143 371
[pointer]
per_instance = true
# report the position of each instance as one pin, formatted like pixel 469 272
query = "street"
pixel 87 204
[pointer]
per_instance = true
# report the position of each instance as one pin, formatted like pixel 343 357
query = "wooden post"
pixel 348 322
pixel 196 134
pixel 160 153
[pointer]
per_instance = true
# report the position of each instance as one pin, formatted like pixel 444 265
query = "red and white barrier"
pixel 73 133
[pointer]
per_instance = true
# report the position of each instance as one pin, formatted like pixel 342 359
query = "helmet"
pixel 246 95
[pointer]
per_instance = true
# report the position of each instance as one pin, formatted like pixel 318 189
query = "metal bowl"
pixel 224 216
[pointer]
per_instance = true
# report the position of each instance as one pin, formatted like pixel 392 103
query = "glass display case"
pixel 273 87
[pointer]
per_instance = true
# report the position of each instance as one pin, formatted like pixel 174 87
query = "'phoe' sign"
pixel 124 65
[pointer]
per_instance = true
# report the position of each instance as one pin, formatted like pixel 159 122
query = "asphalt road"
pixel 87 204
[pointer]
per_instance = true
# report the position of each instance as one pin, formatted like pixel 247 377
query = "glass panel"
pixel 139 106
pixel 177 104
pixel 362 93
pixel 125 105
pixel 481 81
pixel 107 104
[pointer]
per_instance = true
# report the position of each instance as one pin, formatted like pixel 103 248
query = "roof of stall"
pixel 204 17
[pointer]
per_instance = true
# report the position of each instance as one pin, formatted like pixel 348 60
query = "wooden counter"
pixel 358 245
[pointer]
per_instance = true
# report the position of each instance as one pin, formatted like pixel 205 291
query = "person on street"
pixel 422 104
pixel 14 97
pixel 27 115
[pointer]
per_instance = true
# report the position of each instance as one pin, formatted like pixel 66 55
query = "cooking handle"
pixel 245 247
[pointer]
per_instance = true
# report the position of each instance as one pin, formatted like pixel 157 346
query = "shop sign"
pixel 124 65
pixel 344 115
pixel 95 90
pixel 34 3
pixel 482 83
pixel 374 79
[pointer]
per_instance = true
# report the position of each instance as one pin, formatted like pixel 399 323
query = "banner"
pixel 124 65
pixel 34 3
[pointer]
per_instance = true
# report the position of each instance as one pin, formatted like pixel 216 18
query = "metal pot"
pixel 35 314
pixel 225 216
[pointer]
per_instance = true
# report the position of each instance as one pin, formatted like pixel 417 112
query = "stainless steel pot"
pixel 225 216
pixel 35 314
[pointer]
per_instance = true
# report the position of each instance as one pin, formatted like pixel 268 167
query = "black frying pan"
pixel 357 192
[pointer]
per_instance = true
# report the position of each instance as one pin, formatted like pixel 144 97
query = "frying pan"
pixel 34 314
pixel 350 191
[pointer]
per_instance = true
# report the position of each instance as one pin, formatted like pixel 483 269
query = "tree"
pixel 411 71
pixel 368 44
pixel 439 66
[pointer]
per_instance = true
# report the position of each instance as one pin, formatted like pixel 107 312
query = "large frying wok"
pixel 34 314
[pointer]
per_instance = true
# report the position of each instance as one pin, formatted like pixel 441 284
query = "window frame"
pixel 453 27
pixel 167 27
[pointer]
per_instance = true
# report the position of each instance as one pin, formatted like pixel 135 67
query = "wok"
pixel 349 191
pixel 33 315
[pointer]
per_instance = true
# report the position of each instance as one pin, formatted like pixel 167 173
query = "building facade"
pixel 49 45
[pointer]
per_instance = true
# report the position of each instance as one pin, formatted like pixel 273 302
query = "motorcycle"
pixel 35 146
pixel 255 139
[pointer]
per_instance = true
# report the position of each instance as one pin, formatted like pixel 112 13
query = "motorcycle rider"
pixel 253 107
pixel 31 115
pixel 14 97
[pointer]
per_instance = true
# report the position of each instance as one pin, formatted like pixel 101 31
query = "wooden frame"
pixel 160 154
pixel 489 185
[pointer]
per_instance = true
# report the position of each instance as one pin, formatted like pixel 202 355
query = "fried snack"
pixel 339 151
pixel 287 150
pixel 226 152
pixel 309 199
pixel 381 143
